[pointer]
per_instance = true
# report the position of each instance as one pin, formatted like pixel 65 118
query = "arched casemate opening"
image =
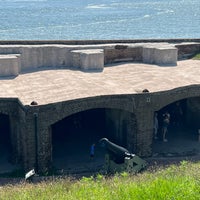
pixel 73 136
pixel 182 136
pixel 5 144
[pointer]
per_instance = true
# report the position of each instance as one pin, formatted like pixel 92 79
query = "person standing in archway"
pixel 178 115
pixel 166 121
pixel 155 126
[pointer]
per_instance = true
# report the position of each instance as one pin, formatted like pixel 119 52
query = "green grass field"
pixel 173 183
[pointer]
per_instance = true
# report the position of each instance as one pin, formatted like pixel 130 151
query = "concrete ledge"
pixel 161 55
pixel 10 64
pixel 88 59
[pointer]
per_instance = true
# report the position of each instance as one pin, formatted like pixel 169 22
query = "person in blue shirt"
pixel 92 148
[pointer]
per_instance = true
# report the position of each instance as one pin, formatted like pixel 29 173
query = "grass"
pixel 196 57
pixel 173 183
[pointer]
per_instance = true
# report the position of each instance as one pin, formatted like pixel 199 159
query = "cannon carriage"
pixel 119 159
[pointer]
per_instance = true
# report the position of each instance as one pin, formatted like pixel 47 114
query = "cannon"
pixel 119 159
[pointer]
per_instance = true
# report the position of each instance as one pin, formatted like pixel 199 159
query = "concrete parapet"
pixel 161 55
pixel 92 56
pixel 10 64
pixel 88 59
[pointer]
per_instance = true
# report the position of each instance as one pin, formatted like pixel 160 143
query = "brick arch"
pixel 52 113
pixel 176 95
pixel 122 131
pixel 65 109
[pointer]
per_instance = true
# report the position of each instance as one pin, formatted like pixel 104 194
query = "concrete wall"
pixel 33 57
pixel 96 42
pixel 36 56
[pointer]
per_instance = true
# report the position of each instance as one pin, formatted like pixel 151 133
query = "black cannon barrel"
pixel 117 152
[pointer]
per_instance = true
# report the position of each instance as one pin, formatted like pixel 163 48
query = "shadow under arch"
pixel 11 149
pixel 73 135
pixel 5 144
pixel 182 131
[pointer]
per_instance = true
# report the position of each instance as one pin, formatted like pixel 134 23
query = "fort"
pixel 58 97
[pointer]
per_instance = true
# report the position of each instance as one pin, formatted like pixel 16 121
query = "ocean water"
pixel 98 19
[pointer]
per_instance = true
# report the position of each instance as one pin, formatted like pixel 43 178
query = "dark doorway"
pixel 5 144
pixel 181 137
pixel 73 136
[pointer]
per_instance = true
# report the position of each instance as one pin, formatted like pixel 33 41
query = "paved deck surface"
pixel 54 85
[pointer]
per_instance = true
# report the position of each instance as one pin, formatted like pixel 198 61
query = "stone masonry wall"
pixel 142 106
pixel 187 50
pixel 50 114
pixel 122 53
pixel 121 127
pixel 31 125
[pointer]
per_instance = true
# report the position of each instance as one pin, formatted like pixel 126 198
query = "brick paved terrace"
pixel 55 85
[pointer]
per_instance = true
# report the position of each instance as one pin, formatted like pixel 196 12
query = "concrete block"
pixel 88 59
pixel 148 54
pixel 10 64
pixel 76 58
pixel 166 56
pixel 160 55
